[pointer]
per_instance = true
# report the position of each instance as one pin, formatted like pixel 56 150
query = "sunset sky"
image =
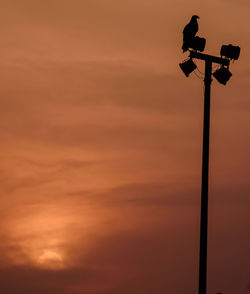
pixel 101 148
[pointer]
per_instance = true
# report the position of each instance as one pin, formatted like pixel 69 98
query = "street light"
pixel 198 44
pixel 187 67
pixel 230 51
pixel 222 75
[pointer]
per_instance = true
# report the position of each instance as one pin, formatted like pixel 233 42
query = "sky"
pixel 101 148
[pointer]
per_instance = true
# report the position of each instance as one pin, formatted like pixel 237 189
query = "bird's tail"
pixel 185 47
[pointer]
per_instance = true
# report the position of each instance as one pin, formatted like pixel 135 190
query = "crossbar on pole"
pixel 206 57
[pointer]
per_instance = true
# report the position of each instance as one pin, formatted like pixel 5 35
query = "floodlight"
pixel 187 67
pixel 222 75
pixel 198 44
pixel 230 51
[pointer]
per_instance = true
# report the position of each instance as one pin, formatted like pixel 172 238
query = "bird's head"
pixel 195 17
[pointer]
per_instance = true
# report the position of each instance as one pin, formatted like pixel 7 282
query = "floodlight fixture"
pixel 222 75
pixel 197 44
pixel 230 51
pixel 188 66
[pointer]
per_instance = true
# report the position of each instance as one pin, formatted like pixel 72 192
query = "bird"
pixel 189 32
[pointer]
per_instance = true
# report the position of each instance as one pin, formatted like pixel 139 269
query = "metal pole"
pixel 204 188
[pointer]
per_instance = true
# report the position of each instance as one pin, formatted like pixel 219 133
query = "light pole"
pixel 222 75
pixel 205 165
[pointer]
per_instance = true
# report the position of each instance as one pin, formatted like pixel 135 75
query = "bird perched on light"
pixel 189 32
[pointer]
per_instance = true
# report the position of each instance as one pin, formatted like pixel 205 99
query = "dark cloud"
pixel 142 194
pixel 25 279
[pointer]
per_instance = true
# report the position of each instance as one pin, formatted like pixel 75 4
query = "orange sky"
pixel 101 148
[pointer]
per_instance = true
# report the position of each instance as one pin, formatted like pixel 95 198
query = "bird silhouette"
pixel 189 32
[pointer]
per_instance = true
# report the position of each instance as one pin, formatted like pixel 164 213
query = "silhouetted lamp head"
pixel 230 51
pixel 198 44
pixel 187 67
pixel 222 75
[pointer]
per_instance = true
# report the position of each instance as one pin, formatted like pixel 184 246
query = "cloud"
pixel 24 279
pixel 142 195
pixel 107 266
pixel 27 173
